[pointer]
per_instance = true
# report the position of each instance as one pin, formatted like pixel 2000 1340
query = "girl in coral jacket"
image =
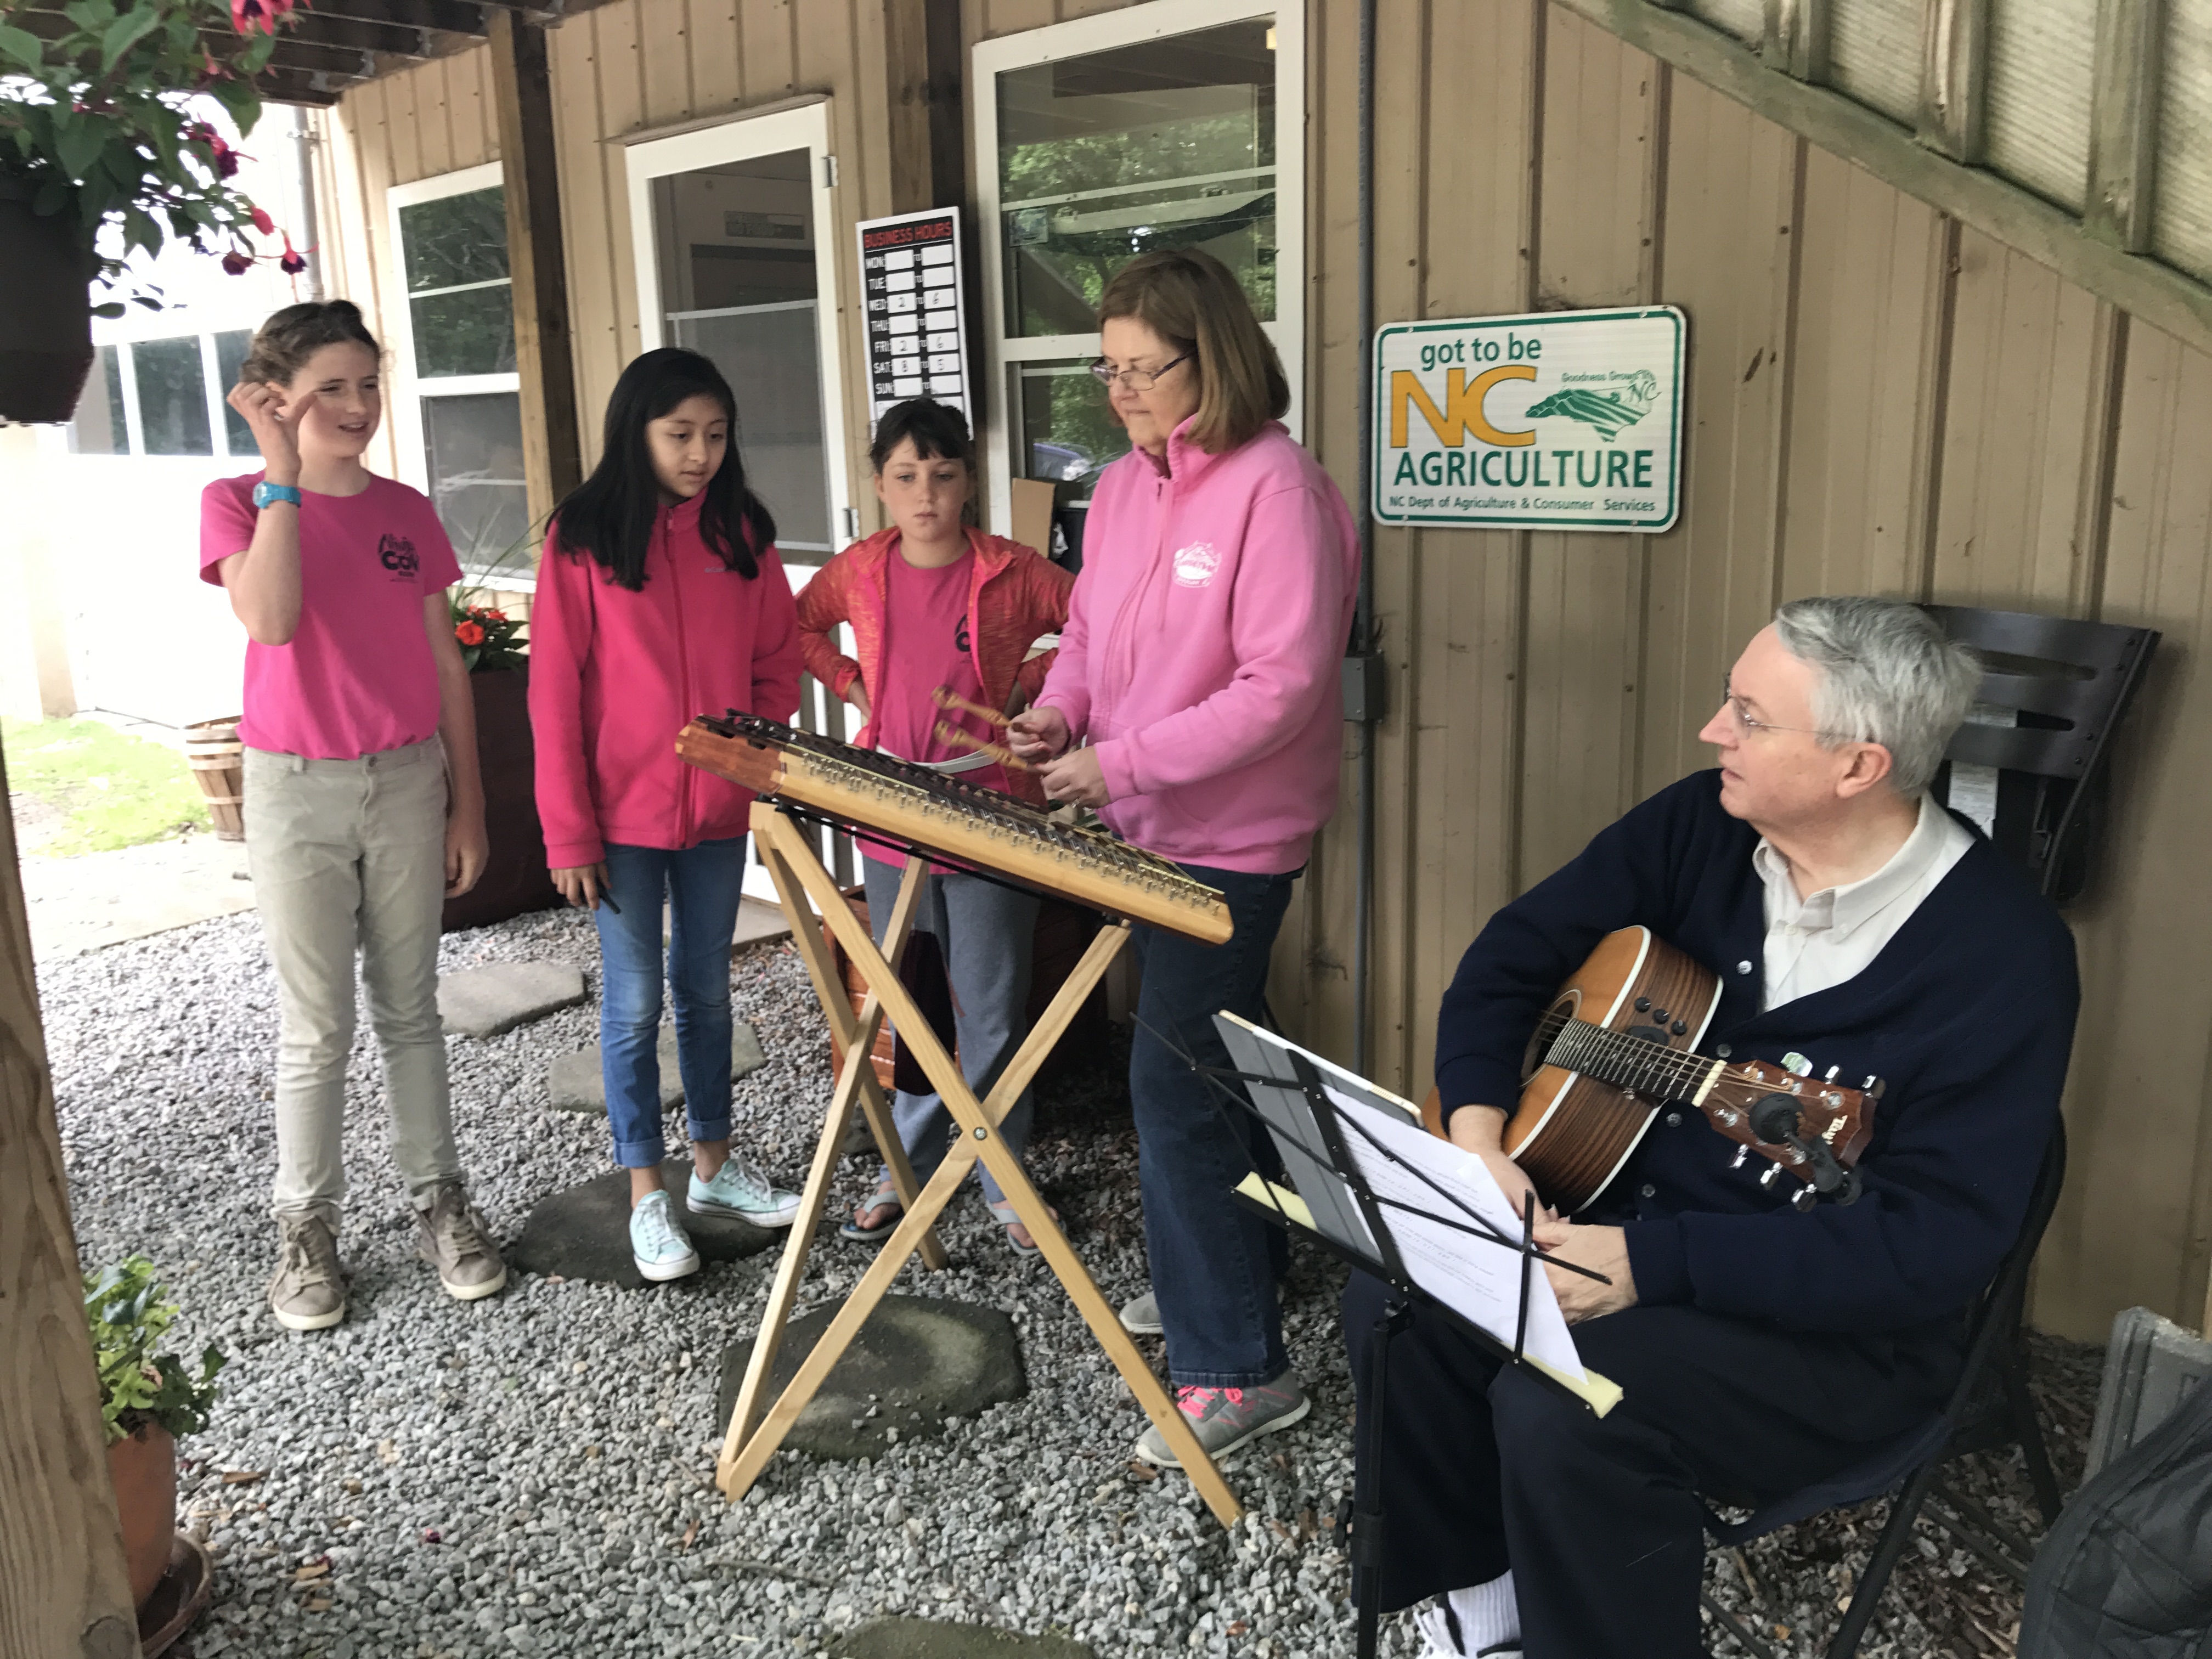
pixel 935 602
pixel 660 595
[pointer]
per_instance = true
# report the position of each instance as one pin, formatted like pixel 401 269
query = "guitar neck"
pixel 1637 1064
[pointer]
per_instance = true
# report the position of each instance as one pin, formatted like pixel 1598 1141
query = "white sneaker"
pixel 1142 1316
pixel 658 1243
pixel 739 1190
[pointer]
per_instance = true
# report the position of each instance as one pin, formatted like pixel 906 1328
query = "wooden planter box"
pixel 515 879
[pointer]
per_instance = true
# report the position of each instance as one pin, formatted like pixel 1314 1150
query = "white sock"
pixel 1486 1614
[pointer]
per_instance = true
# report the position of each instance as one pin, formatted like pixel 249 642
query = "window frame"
pixel 405 389
pixel 1003 352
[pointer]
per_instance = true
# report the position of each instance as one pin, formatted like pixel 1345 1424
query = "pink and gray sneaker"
pixel 1225 1419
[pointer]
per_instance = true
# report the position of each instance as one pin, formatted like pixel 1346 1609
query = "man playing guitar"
pixel 1760 1347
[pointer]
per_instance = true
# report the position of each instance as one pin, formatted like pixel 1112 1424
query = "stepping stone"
pixel 931 1638
pixel 916 1362
pixel 584 1232
pixel 759 921
pixel 482 1002
pixel 577 1083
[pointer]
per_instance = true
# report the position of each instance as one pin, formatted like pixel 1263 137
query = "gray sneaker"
pixel 308 1292
pixel 1142 1316
pixel 452 1237
pixel 1225 1419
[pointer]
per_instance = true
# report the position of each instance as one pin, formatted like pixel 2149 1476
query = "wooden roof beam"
pixel 448 16
pixel 390 40
pixel 315 87
pixel 1797 33
pixel 2123 100
pixel 1954 77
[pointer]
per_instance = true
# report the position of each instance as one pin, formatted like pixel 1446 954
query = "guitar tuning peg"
pixel 1832 1070
pixel 1803 1200
pixel 1871 1080
pixel 1773 1172
pixel 1741 1153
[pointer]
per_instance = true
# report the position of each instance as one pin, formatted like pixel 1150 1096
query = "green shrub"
pixel 124 1307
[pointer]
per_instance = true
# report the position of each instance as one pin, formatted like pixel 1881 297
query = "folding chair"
pixel 1990 1408
pixel 2029 764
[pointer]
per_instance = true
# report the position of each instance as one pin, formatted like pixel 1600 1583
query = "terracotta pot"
pixel 145 1471
pixel 46 310
pixel 515 879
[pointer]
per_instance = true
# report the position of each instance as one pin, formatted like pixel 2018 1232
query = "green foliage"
pixel 489 638
pixel 106 788
pixel 93 118
pixel 137 1385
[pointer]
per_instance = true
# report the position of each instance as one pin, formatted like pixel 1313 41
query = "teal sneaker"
pixel 658 1243
pixel 743 1194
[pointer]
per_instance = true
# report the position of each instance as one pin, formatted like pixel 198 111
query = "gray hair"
pixel 1885 673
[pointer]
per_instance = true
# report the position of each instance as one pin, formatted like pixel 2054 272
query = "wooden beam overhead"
pixel 2165 298
pixel 447 16
pixel 310 86
pixel 390 40
pixel 923 55
pixel 522 97
pixel 1797 33
pixel 1955 76
pixel 2123 123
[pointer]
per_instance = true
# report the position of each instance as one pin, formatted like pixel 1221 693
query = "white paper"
pixel 1478 1281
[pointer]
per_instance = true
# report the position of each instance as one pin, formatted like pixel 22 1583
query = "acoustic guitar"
pixel 1619 1042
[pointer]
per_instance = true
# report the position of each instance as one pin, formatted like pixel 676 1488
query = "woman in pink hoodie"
pixel 660 596
pixel 1200 662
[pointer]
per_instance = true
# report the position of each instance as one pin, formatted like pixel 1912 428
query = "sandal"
pixel 1005 1215
pixel 885 1197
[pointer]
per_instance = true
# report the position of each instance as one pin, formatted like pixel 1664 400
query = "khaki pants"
pixel 350 855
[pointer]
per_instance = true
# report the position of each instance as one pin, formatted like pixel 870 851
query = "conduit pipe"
pixel 1370 682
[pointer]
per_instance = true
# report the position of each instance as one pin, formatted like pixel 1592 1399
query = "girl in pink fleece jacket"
pixel 1200 661
pixel 660 597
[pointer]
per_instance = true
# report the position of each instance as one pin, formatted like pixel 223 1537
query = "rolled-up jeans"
pixel 347 856
pixel 702 887
pixel 1212 1262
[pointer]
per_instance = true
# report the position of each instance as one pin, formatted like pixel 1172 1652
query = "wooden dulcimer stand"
pixel 985 831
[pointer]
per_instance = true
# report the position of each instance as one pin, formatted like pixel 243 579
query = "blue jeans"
pixel 1212 1262
pixel 702 885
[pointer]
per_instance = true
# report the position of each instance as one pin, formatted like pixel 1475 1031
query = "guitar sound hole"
pixel 1547 1032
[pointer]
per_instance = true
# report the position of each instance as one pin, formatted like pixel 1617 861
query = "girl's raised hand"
pixel 262 408
pixel 1038 734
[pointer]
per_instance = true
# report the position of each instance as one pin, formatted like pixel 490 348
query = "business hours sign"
pixel 1562 420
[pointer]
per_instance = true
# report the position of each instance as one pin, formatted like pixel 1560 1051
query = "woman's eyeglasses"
pixel 1137 380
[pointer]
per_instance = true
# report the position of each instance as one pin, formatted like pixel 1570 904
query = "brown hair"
pixel 282 345
pixel 1194 302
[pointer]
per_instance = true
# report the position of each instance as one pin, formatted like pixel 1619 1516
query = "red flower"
pixel 237 263
pixel 264 223
pixel 247 15
pixel 496 615
pixel 469 634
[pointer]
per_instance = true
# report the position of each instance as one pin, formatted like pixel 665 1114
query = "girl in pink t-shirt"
pixel 363 806
pixel 934 602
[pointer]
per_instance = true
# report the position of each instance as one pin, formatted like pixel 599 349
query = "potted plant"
pixel 97 129
pixel 147 1399
pixel 515 879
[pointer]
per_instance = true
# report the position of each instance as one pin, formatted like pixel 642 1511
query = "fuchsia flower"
pixel 248 15
pixel 237 264
pixel 293 261
pixel 264 223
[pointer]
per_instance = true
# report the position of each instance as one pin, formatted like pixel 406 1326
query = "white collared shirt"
pixel 1814 943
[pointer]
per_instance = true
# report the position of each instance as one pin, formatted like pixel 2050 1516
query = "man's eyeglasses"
pixel 1137 380
pixel 1745 725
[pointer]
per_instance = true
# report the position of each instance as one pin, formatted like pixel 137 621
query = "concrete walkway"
pixel 80 904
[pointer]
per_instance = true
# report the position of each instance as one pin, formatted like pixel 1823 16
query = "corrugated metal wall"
pixel 1880 402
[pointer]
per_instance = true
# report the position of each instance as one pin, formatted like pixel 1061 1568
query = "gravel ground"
pixel 532 1475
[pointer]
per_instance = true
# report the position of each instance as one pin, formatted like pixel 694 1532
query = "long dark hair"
pixel 609 515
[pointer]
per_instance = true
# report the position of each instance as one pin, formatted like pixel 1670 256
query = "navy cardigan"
pixel 1968 1013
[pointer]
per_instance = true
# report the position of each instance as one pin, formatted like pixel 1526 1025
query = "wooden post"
pixel 1797 39
pixel 63 1591
pixel 921 47
pixel 2123 123
pixel 552 452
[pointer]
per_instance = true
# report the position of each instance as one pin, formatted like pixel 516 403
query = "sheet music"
pixel 1479 1281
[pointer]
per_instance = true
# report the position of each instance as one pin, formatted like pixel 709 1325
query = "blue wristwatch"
pixel 265 493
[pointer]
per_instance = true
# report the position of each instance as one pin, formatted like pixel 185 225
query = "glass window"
pixel 230 350
pixel 472 451
pixel 1068 435
pixel 769 355
pixel 458 298
pixel 1165 143
pixel 100 428
pixel 172 410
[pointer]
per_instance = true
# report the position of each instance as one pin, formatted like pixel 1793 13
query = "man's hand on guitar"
pixel 1602 1249
pixel 1482 1130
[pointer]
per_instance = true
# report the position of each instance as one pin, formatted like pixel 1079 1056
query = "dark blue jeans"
pixel 702 885
pixel 1212 1262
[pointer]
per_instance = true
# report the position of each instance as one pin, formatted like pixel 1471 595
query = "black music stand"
pixel 1348 1220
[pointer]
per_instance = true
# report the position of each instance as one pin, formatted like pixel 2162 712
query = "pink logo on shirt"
pixel 1194 565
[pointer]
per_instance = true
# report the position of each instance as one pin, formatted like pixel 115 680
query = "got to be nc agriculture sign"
pixel 1563 420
